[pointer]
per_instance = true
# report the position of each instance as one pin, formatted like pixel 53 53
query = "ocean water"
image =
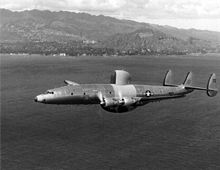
pixel 173 134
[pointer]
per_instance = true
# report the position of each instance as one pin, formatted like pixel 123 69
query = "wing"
pixel 70 82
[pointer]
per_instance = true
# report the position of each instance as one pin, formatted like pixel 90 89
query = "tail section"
pixel 211 86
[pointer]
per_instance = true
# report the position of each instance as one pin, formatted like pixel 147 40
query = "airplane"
pixel 120 96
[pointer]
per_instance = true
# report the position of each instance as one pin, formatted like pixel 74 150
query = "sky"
pixel 198 14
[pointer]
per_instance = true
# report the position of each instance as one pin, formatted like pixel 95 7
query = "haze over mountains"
pixel 77 33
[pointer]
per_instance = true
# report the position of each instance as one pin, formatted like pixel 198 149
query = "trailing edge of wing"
pixel 70 82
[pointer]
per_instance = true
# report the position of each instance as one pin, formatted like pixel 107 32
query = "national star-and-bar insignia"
pixel 148 93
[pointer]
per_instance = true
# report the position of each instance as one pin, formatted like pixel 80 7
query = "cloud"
pixel 149 8
pixel 71 5
pixel 184 8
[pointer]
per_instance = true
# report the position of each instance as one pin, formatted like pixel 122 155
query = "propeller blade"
pixel 121 99
pixel 101 98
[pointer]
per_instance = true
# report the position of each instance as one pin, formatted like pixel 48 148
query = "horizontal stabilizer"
pixel 195 88
pixel 68 82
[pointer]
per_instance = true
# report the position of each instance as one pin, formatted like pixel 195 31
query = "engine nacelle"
pixel 128 101
pixel 110 102
pixel 118 106
pixel 118 109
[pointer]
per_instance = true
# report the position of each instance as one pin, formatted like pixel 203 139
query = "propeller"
pixel 101 98
pixel 121 99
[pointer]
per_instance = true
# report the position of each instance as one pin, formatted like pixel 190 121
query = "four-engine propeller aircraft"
pixel 121 96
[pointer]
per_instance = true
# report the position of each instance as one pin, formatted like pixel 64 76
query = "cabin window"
pixel 110 92
pixel 84 93
pixel 71 93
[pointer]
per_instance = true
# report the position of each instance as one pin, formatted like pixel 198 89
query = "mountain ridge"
pixel 101 31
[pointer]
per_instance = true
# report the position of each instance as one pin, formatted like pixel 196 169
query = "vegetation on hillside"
pixel 46 32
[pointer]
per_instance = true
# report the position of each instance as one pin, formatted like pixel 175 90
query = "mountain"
pixel 48 26
pixel 63 27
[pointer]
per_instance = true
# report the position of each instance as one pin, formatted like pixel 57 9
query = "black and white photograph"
pixel 110 84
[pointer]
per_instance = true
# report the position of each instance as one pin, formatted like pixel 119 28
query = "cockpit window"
pixel 49 92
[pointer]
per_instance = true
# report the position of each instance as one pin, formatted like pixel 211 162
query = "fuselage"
pixel 137 95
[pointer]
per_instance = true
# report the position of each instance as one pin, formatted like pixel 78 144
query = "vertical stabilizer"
pixel 168 79
pixel 212 86
pixel 188 80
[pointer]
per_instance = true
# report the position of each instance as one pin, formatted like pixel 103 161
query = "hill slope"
pixel 102 32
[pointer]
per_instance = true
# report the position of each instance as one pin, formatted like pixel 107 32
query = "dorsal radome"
pixel 68 82
pixel 120 77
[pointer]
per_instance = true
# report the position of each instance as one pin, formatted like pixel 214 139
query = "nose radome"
pixel 36 99
pixel 39 98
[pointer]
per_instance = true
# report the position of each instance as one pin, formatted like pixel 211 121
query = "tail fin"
pixel 188 79
pixel 211 86
pixel 168 79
